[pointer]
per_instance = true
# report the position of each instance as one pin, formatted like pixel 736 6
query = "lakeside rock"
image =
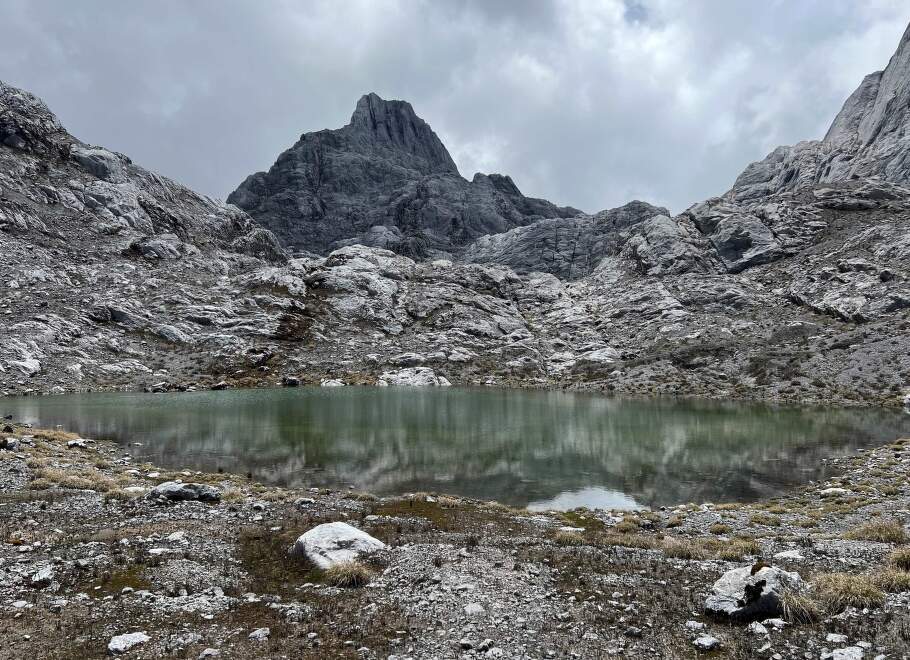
pixel 333 543
pixel 176 491
pixel 746 594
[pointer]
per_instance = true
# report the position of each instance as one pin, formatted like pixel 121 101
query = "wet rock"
pixel 740 595
pixel 332 543
pixel 177 491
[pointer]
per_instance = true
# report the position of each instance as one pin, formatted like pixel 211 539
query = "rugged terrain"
pixel 791 286
pixel 86 555
pixel 384 180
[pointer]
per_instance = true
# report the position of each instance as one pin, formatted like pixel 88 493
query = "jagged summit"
pixel 395 125
pixel 384 180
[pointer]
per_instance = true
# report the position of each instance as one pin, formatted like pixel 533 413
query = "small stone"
pixel 706 642
pixel 209 653
pixel 260 634
pixel 695 625
pixel 474 609
pixel 836 638
pixel 757 629
pixel 848 653
pixel 792 555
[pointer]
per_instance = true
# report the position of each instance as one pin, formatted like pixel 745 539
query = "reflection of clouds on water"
pixel 592 498
pixel 508 445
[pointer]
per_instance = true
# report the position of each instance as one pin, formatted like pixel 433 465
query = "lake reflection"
pixel 547 449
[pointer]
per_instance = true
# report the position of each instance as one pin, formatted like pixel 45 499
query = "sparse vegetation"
pixel 837 591
pixel 900 559
pixel 348 574
pixel 882 531
pixel 799 608
pixel 564 537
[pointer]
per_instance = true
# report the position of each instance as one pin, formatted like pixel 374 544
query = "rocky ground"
pixel 88 556
pixel 117 278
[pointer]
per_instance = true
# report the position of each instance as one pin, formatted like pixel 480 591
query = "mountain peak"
pixel 394 125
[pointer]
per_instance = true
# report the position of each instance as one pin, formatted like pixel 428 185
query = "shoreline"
pixel 189 569
pixel 894 403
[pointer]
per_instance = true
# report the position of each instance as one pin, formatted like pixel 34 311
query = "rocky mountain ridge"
pixel 118 278
pixel 384 180
pixel 868 138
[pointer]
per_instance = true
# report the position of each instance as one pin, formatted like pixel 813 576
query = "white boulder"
pixel 332 543
pixel 123 643
pixel 415 377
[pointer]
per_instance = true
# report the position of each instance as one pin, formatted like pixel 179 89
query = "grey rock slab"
pixel 180 492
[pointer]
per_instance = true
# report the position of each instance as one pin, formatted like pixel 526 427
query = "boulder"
pixel 176 491
pixel 100 162
pixel 332 543
pixel 123 643
pixel 414 377
pixel 742 241
pixel 741 595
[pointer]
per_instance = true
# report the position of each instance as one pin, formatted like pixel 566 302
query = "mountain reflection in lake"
pixel 543 449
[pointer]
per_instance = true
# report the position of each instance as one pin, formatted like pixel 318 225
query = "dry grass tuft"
pixel 838 591
pixel 739 549
pixel 564 537
pixel 892 580
pixel 674 521
pixel 900 559
pixel 78 478
pixel 682 549
pixel 799 608
pixel 626 527
pixel 348 574
pixel 765 519
pixel 720 529
pixel 883 531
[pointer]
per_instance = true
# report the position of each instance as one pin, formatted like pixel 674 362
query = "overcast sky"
pixel 584 103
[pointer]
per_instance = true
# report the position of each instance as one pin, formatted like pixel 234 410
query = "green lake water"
pixel 529 448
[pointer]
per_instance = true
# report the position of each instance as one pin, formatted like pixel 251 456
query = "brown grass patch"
pixel 838 591
pixel 348 574
pixel 882 531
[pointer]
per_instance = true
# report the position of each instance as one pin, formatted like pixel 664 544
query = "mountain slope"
pixel 868 138
pixel 384 180
pixel 116 277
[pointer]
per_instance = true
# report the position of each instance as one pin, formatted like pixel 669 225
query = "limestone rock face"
pixel 740 595
pixel 866 139
pixel 332 543
pixel 384 180
pixel 569 248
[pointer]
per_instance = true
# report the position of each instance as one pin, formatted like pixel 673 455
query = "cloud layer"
pixel 584 103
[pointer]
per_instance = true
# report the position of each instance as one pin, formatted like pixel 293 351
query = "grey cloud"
pixel 584 103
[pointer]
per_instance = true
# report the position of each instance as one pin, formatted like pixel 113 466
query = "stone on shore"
pixel 177 491
pixel 739 595
pixel 123 643
pixel 332 543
